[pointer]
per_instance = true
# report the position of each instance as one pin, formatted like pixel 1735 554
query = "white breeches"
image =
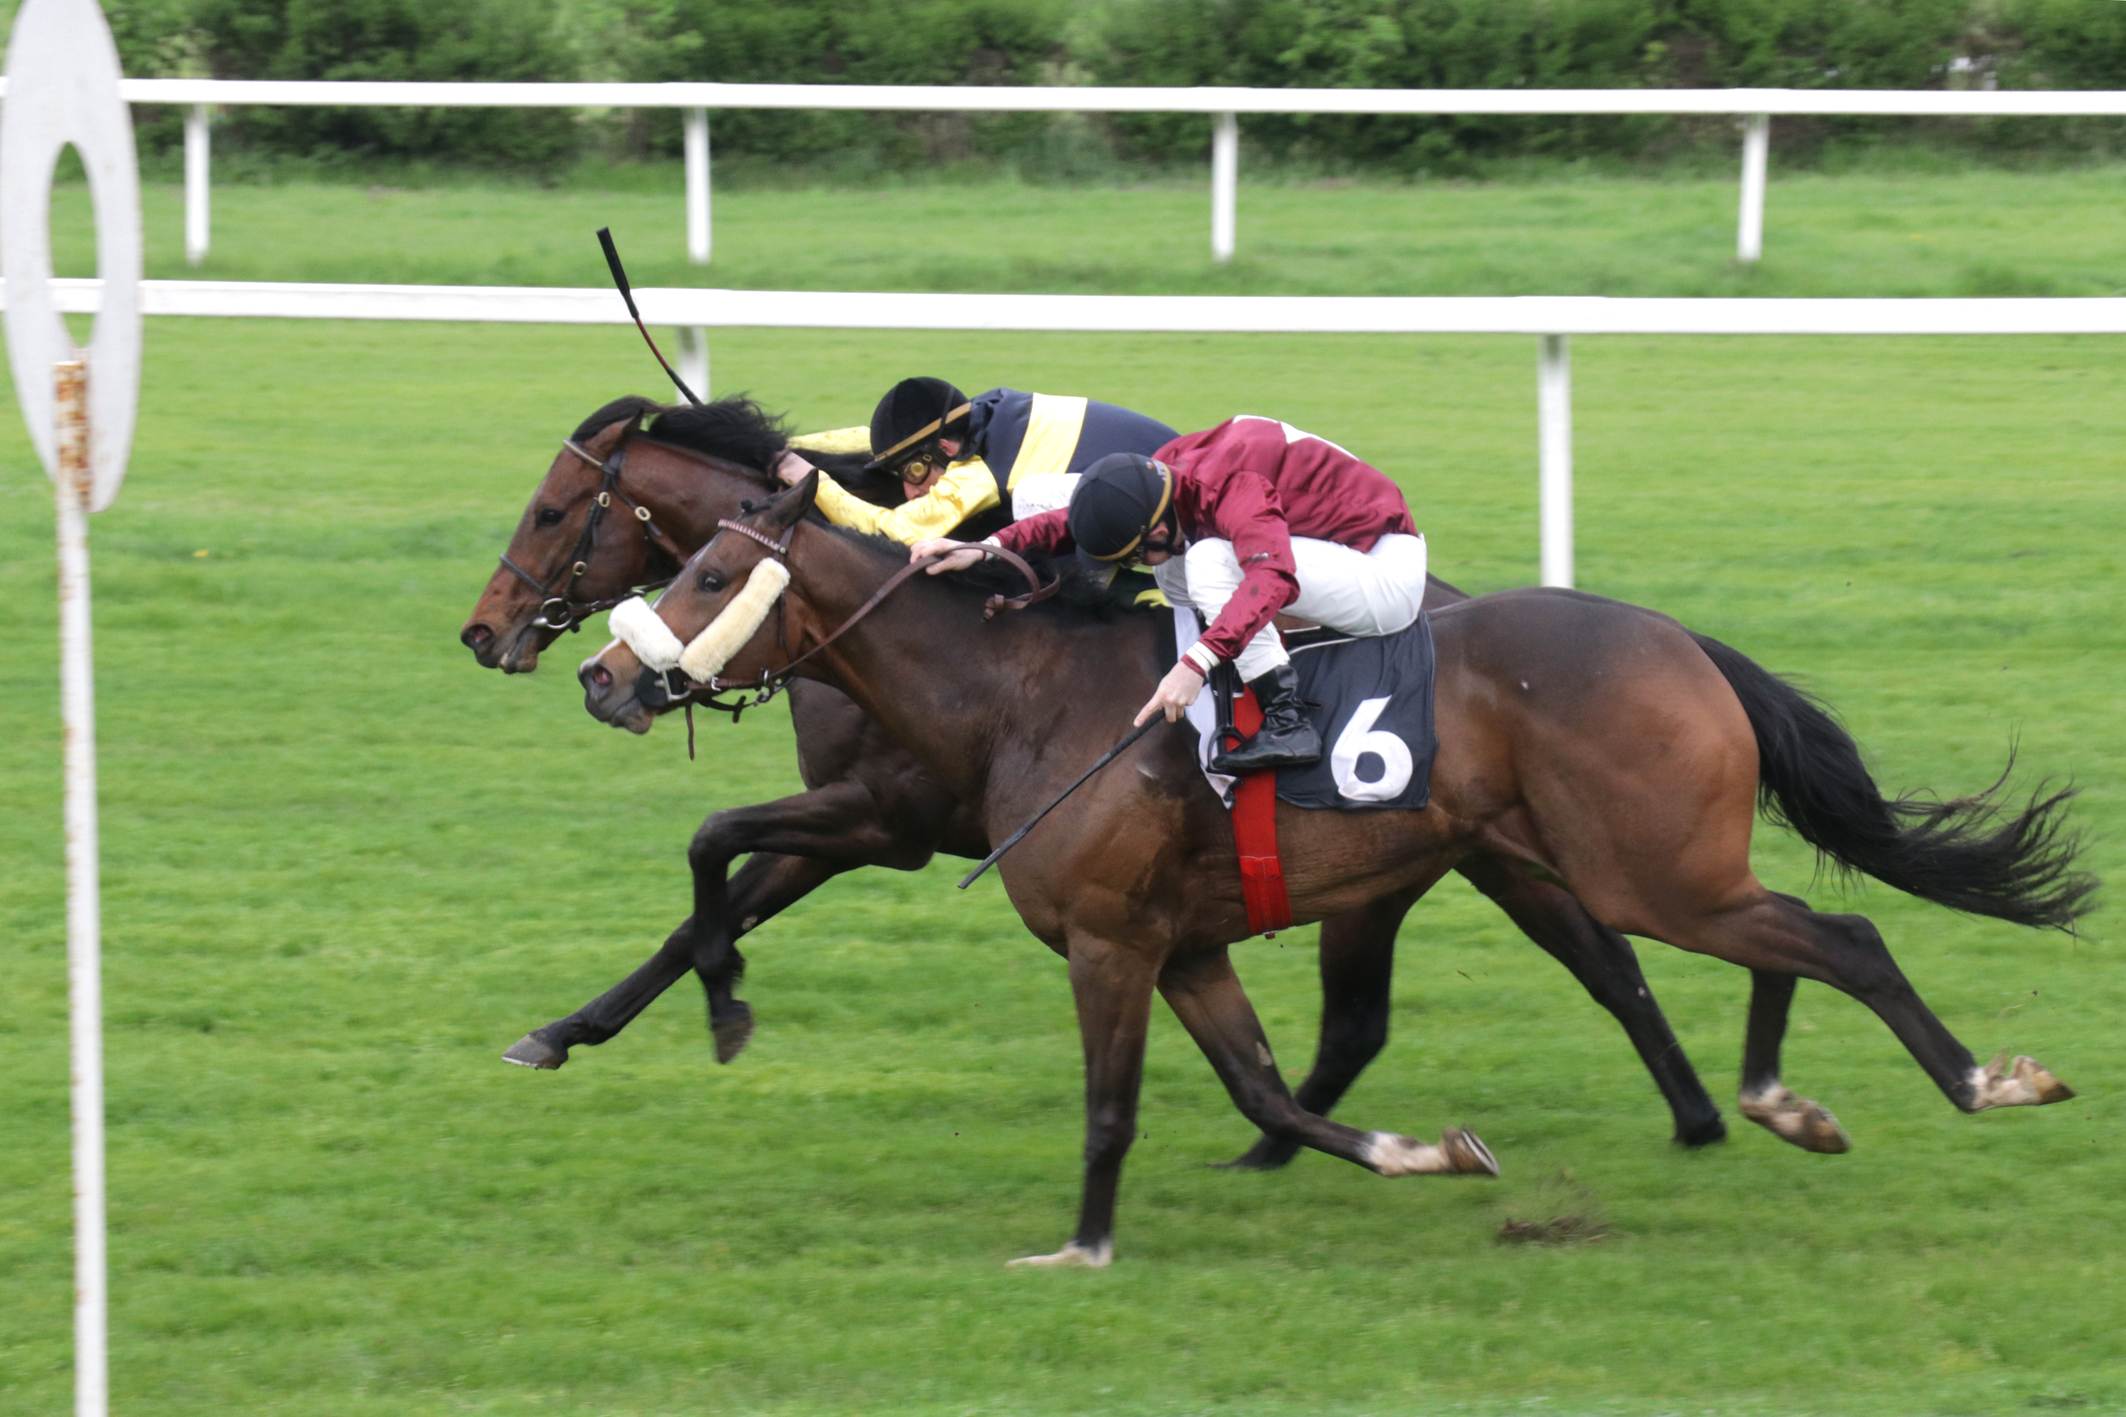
pixel 1375 592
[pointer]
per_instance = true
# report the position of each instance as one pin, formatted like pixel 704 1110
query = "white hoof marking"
pixel 1793 1118
pixel 1459 1153
pixel 2020 1084
pixel 1071 1256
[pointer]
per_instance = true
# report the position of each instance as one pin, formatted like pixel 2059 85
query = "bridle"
pixel 770 682
pixel 559 609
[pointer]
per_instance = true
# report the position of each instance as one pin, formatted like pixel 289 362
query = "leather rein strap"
pixel 772 682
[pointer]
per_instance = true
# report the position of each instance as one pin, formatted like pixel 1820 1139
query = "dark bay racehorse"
pixel 869 802
pixel 1581 740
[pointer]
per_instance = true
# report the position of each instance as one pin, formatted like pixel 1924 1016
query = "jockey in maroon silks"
pixel 1241 522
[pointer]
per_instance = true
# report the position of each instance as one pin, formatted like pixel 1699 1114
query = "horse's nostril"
pixel 476 636
pixel 602 677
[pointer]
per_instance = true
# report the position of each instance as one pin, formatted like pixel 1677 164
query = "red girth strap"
pixel 1255 833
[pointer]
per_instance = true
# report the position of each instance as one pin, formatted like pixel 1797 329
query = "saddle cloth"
pixel 1371 700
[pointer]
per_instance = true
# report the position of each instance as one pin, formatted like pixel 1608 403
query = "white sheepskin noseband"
pixel 637 627
pixel 653 642
pixel 727 634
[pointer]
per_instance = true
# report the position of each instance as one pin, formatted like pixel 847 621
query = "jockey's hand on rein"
pixel 960 559
pixel 791 468
pixel 1175 693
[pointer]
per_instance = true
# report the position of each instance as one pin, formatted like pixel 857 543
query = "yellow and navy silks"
pixel 1010 436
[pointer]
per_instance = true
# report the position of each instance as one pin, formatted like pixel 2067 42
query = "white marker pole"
pixel 62 88
pixel 84 902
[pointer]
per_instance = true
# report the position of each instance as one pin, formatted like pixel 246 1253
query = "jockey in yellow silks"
pixel 998 456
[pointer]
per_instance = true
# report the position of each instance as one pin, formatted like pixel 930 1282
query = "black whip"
pixel 1105 758
pixel 627 293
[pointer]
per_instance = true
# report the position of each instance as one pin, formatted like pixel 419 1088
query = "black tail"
pixel 1972 853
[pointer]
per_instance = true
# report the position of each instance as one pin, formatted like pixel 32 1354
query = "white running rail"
pixel 1755 106
pixel 1553 318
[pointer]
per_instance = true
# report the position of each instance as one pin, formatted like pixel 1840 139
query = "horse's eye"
pixel 549 516
pixel 712 581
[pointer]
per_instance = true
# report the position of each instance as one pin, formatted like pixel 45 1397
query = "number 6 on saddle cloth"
pixel 1369 696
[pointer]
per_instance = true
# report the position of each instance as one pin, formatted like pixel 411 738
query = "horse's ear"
pixel 787 509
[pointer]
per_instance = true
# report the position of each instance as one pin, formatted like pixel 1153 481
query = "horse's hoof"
pixel 1707 1133
pixel 1793 1118
pixel 531 1051
pixel 732 1032
pixel 1466 1154
pixel 1071 1256
pixel 1267 1154
pixel 1459 1153
pixel 2021 1084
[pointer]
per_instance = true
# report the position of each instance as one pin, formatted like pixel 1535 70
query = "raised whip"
pixel 627 293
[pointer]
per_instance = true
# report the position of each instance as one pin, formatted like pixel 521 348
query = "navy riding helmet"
pixel 1116 505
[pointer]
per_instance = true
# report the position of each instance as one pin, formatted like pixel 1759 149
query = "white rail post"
pixel 697 149
pixel 196 184
pixel 694 359
pixel 1756 148
pixel 694 340
pixel 1225 181
pixel 84 912
pixel 1553 398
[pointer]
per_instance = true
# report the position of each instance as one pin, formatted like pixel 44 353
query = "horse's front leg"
pixel 1357 968
pixel 1206 995
pixel 1113 988
pixel 829 830
pixel 611 1011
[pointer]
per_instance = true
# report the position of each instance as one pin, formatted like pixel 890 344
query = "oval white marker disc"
pixel 62 87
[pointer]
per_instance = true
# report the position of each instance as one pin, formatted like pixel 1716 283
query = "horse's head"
pixel 723 618
pixel 618 509
pixel 530 599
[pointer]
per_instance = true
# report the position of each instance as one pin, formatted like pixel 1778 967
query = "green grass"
pixel 344 868
pixel 1900 233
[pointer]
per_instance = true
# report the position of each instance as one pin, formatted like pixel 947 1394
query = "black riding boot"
pixel 1287 738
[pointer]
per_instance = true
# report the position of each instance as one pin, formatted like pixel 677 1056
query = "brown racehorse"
pixel 870 803
pixel 1582 740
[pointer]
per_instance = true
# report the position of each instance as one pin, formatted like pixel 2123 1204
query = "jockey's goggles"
pixel 887 460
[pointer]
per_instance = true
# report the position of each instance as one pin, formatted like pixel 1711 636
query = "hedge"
pixel 1906 44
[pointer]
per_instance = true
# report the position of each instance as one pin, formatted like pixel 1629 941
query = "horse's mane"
pixel 737 430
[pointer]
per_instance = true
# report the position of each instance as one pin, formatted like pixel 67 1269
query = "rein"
pixel 559 609
pixel 769 683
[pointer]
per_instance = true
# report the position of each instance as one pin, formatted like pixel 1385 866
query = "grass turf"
pixel 344 868
pixel 1893 233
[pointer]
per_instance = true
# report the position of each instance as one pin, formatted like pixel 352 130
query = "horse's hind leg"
pixel 1608 969
pixel 1766 1100
pixel 1206 996
pixel 1780 935
pixel 1357 968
